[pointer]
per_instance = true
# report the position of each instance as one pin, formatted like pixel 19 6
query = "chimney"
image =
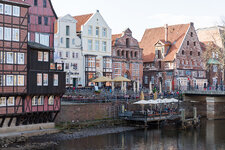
pixel 166 32
pixel 97 10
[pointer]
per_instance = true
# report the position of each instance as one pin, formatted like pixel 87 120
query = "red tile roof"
pixel 176 34
pixel 114 37
pixel 81 20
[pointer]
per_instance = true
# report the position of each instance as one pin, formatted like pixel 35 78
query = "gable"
pixel 176 34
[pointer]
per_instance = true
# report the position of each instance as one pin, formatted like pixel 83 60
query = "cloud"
pixel 171 19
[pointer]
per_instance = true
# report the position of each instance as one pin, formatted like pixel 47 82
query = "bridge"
pixel 210 103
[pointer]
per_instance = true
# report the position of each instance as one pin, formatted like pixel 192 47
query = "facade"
pixel 96 46
pixel 31 84
pixel 172 58
pixel 127 57
pixel 68 50
pixel 212 39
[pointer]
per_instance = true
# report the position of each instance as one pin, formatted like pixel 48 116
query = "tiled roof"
pixel 114 37
pixel 176 34
pixel 17 1
pixel 81 20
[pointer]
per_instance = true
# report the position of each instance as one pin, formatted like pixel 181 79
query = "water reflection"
pixel 210 136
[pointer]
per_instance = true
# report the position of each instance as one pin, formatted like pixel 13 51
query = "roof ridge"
pixel 168 26
pixel 83 15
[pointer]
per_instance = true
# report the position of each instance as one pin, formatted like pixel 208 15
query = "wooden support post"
pixel 195 115
pixel 183 117
pixel 3 120
pixel 10 121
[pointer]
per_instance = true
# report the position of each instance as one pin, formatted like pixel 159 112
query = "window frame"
pixel 16 11
pixel 10 10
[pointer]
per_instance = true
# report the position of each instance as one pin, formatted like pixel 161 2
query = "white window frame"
pixel 9 80
pixel 104 32
pixel 97 45
pixel 7 34
pixel 46 55
pixel 9 59
pixel 40 56
pixel 90 45
pixel 104 46
pixel 41 100
pixel 20 77
pixel 1 33
pixel 16 11
pixel 3 99
pixel 45 79
pixel 51 100
pixel 56 82
pixel 1 8
pixel 89 30
pixel 97 31
pixel 35 101
pixel 13 101
pixel 20 58
pixel 16 35
pixel 39 74
pixel 8 9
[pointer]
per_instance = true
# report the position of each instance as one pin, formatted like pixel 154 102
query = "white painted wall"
pixel 96 20
pixel 75 47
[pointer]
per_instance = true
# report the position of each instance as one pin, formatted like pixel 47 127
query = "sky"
pixel 139 15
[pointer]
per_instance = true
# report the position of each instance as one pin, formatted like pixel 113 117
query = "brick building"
pixel 127 56
pixel 172 58
pixel 31 84
pixel 212 42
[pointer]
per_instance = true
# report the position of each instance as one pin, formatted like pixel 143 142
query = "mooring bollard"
pixel 183 116
pixel 195 115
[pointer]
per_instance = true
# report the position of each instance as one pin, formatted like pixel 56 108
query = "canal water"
pixel 210 136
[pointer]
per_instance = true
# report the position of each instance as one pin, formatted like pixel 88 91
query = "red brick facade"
pixel 176 59
pixel 127 57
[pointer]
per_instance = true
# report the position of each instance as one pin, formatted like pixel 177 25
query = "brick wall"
pixel 87 112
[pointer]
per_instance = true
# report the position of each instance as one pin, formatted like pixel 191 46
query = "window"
pixel 37 37
pixel 41 100
pixel 214 68
pixel 97 31
pixel 20 80
pixel 191 34
pixel 136 54
pixel 40 56
pixel 44 39
pixel 51 100
pixel 104 32
pixel 9 80
pixel 46 56
pixel 9 58
pixel 128 42
pixel 194 43
pixel 1 8
pixel 67 66
pixel 8 9
pixel 67 54
pixel 28 19
pixel 199 54
pixel 35 2
pixel 190 52
pixel 73 55
pixel 39 20
pixel 61 40
pixel 1 32
pixel 146 80
pixel 182 52
pixel 74 66
pixel 187 42
pixel 67 43
pixel 35 100
pixel 46 20
pixel 15 35
pixel 7 34
pixel 45 80
pixel 56 80
pixel 2 80
pixel 97 45
pixel 11 101
pixel 21 58
pixel 3 101
pixel 16 11
pixel 89 30
pixel 39 79
pixel 89 44
pixel 77 55
pixel 117 69
pixel 60 54
pixel 67 30
pixel 73 41
pixel 213 55
pixel 44 3
pixel 104 46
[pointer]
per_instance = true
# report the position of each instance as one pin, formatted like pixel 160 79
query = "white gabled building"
pixel 96 46
pixel 68 50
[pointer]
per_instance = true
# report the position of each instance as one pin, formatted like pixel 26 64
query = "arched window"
pixel 118 53
pixel 122 53
pixel 128 42
pixel 136 54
